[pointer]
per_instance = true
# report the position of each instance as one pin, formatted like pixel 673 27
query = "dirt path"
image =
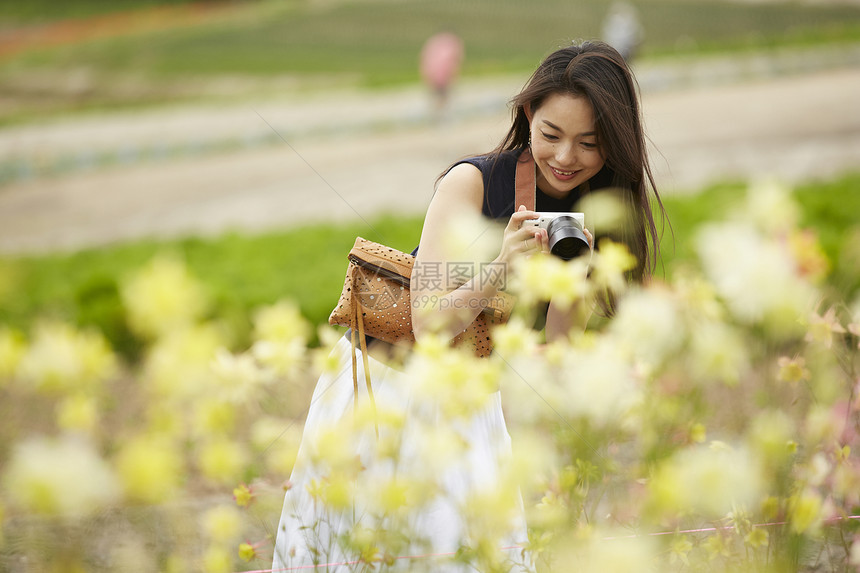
pixel 332 166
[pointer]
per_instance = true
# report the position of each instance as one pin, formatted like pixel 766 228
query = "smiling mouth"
pixel 563 173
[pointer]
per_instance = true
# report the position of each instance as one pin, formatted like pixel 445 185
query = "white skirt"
pixel 359 528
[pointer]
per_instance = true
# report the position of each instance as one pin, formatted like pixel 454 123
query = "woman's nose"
pixel 564 154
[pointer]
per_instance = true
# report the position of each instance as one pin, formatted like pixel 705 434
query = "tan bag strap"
pixel 357 324
pixel 525 181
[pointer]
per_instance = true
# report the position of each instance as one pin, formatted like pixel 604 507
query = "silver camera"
pixel 565 232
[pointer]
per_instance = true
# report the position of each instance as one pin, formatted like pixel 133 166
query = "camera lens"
pixel 566 239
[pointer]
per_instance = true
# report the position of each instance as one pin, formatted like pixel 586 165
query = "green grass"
pixel 375 43
pixel 240 272
pixel 307 265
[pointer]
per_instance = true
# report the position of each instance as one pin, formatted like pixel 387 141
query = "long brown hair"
pixel 597 71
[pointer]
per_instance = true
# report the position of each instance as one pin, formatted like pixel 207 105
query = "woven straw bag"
pixel 375 300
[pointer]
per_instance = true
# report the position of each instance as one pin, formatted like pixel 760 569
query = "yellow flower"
pixel 213 416
pixel 236 378
pixel 61 358
pixel 178 366
pixel 805 510
pixel 551 513
pixel 769 433
pixel 162 297
pixel 281 322
pixel 597 555
pixel 680 548
pixel 267 430
pixel 279 440
pixel 758 537
pixel 330 448
pixel 338 491
pixel 393 495
pixel 455 380
pixel 708 481
pixel 822 425
pixel 716 546
pixel 217 559
pixel 247 552
pixel 822 328
pixel 59 476
pixel 770 507
pixel 243 495
pixel 222 460
pixel 12 348
pixel 513 338
pixel 611 260
pixel 698 433
pixel 697 295
pixel 811 259
pixel 223 524
pixel 78 413
pixel 150 468
pixel 792 369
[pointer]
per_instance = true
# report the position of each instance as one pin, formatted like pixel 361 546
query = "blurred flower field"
pixel 712 425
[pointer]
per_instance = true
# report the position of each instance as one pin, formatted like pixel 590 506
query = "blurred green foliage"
pixel 153 58
pixel 243 272
pixel 378 42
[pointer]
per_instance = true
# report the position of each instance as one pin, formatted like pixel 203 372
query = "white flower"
pixel 59 476
pixel 599 383
pixel 282 357
pixel 223 523
pixel 709 481
pixel 648 325
pixel 178 366
pixel 717 352
pixel 237 378
pixel 769 207
pixel 609 552
pixel 755 276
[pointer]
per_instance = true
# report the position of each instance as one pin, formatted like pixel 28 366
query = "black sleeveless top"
pixel 499 173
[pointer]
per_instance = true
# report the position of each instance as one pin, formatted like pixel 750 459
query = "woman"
pixel 578 118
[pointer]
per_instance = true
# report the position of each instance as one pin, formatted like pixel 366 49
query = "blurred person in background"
pixel 440 61
pixel 622 30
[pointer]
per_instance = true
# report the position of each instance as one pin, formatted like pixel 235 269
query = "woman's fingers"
pixel 590 237
pixel 519 216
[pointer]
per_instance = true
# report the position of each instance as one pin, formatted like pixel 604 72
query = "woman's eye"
pixel 589 145
pixel 549 136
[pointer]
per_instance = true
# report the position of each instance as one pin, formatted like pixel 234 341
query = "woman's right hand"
pixel 519 240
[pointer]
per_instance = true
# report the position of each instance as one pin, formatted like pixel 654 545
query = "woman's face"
pixel 564 144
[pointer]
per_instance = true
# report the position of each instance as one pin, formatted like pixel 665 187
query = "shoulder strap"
pixel 525 181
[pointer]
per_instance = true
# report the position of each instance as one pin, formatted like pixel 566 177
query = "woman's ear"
pixel 527 109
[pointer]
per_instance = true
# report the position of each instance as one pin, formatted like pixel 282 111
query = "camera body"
pixel 565 232
pixel 545 219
